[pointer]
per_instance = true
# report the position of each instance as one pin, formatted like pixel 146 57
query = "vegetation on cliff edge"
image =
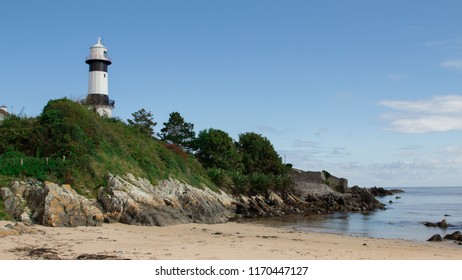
pixel 68 143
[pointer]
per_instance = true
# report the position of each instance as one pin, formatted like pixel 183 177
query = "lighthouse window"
pixel 104 75
pixel 105 53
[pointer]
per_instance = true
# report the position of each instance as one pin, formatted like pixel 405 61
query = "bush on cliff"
pixel 259 155
pixel 216 149
pixel 249 166
pixel 68 143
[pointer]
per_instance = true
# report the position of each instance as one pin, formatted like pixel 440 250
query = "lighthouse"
pixel 98 97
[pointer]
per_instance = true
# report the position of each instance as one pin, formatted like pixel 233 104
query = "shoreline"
pixel 227 241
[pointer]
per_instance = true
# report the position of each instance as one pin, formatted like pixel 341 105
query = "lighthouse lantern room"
pixel 98 97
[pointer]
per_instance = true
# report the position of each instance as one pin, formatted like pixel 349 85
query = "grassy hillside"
pixel 70 144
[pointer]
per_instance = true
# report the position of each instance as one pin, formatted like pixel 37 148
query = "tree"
pixel 143 122
pixel 177 131
pixel 258 155
pixel 216 149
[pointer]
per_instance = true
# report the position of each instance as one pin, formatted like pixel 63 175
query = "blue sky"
pixel 368 90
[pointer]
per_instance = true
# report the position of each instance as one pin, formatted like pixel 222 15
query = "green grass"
pixel 3 214
pixel 5 181
pixel 82 148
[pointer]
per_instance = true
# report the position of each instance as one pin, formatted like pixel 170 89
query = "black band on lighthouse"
pixel 99 99
pixel 98 66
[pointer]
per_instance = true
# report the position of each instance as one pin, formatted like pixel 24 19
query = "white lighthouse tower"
pixel 98 98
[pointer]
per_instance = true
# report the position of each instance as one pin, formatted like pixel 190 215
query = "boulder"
pixel 435 237
pixel 457 236
pixel 50 205
pixel 136 201
pixel 64 207
pixel 14 205
pixel 442 224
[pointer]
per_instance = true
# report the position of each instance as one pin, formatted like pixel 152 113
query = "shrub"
pixel 260 183
pixel 220 177
pixel 241 182
pixel 176 149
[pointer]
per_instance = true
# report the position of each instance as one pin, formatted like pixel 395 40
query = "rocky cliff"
pixel 137 201
pixel 49 204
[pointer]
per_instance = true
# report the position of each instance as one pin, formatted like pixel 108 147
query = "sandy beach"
pixel 211 242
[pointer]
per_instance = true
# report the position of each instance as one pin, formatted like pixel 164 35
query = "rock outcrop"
pixel 383 192
pixel 375 191
pixel 49 205
pixel 270 206
pixel 322 198
pixel 64 207
pixel 136 201
pixel 312 195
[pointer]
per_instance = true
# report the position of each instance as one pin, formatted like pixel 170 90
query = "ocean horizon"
pixel 403 217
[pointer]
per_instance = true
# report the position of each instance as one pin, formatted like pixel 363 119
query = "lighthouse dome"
pixel 98 45
pixel 98 52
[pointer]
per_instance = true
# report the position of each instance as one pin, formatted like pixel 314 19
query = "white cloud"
pixel 435 105
pixel 423 124
pixel 440 113
pixel 452 64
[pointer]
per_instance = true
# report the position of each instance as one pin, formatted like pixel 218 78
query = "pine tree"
pixel 178 132
pixel 143 121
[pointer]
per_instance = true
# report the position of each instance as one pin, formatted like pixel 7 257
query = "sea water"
pixel 402 219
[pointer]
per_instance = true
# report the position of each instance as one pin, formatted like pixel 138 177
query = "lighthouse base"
pixel 100 103
pixel 102 110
